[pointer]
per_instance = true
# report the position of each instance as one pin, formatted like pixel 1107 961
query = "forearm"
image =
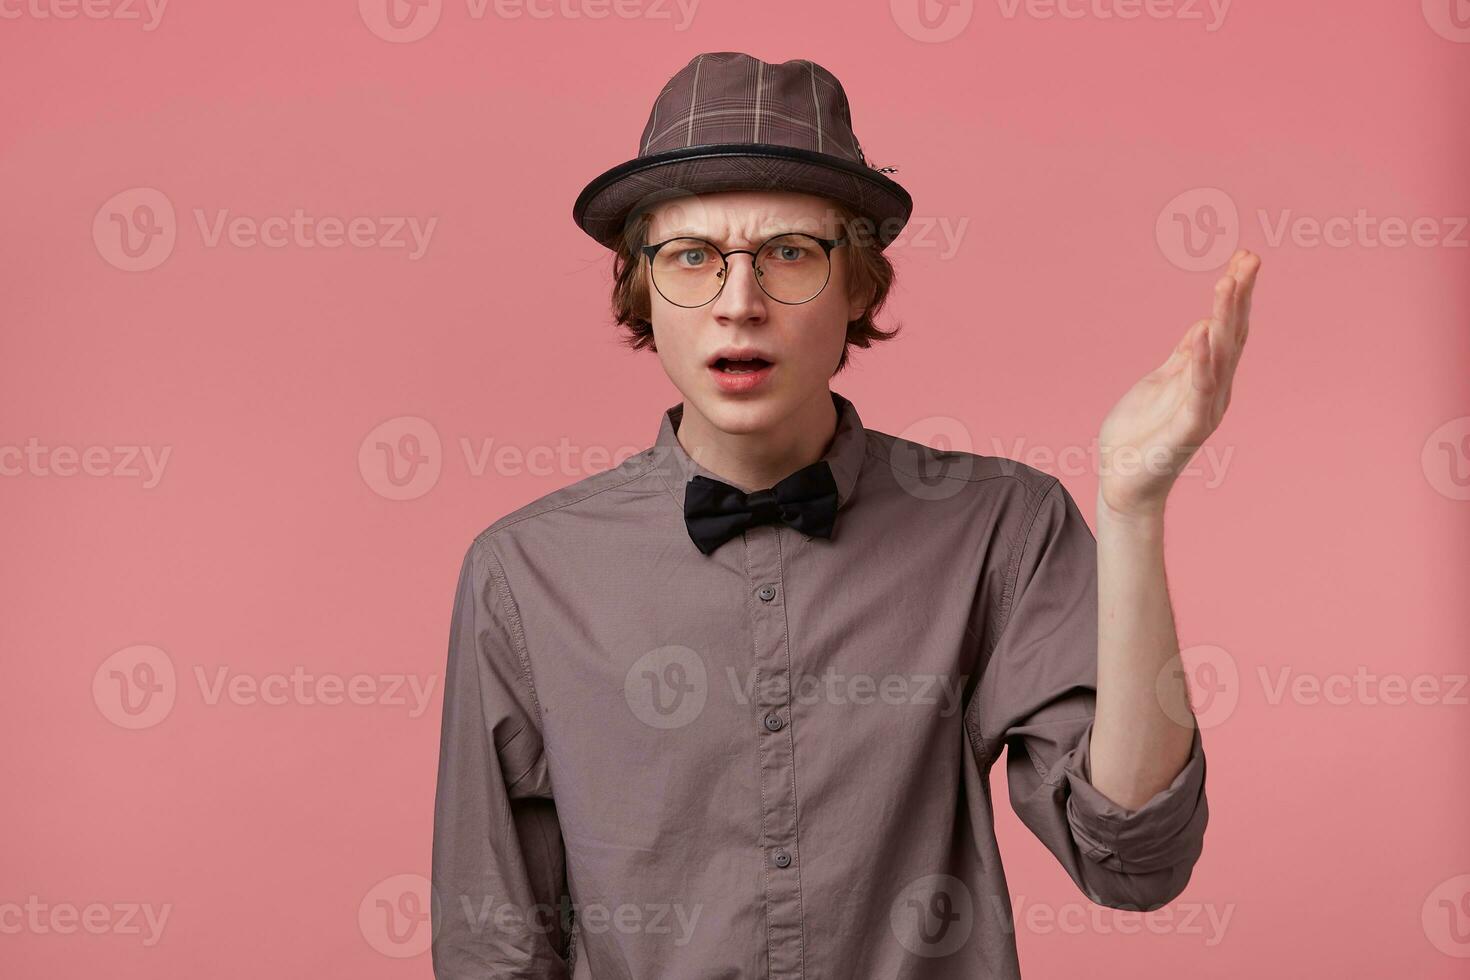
pixel 1138 742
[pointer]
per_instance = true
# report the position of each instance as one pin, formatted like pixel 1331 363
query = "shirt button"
pixel 773 722
pixel 767 593
pixel 782 858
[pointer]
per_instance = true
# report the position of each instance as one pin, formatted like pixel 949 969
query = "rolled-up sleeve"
pixel 498 865
pixel 1037 697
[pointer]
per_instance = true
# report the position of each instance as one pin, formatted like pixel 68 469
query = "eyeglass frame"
pixel 828 244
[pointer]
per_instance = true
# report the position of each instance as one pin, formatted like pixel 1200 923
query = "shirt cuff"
pixel 1166 831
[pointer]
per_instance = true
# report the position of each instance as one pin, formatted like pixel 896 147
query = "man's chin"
pixel 744 413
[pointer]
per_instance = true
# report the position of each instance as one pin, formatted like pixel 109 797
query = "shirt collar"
pixel 845 453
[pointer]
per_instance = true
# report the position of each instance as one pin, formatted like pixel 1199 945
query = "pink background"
pixel 1330 541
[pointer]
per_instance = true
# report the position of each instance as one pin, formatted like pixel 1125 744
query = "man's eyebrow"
pixel 687 233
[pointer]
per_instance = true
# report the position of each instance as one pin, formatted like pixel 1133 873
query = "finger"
pixel 1250 266
pixel 1222 322
pixel 1201 365
pixel 1180 353
pixel 1246 270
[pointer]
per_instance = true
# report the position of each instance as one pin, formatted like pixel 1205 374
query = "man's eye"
pixel 789 252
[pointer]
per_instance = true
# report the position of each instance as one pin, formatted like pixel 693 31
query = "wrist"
pixel 1140 516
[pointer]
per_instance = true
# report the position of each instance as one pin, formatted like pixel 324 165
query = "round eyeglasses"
pixel 791 268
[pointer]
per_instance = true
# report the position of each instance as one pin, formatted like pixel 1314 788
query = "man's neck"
pixel 759 459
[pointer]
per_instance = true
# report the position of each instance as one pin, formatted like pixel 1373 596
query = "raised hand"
pixel 1161 422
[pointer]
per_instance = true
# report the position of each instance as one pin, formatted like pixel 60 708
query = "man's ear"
pixel 858 305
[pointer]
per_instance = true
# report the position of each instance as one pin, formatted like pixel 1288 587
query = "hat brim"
pixel 605 205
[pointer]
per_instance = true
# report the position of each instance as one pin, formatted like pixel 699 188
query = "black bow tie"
pixel 714 511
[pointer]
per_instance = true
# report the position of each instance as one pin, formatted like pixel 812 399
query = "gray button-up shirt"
pixel 773 761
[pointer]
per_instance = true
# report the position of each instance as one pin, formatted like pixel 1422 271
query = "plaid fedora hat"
pixel 729 121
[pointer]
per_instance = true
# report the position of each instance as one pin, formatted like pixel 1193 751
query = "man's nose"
pixel 742 294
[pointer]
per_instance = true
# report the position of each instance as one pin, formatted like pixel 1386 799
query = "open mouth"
pixel 728 366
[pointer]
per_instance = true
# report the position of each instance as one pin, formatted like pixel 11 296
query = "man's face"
pixel 801 343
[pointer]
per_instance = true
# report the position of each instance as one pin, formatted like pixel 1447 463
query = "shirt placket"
pixel 773 720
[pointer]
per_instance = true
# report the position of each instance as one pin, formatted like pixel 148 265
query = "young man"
pixel 729 709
